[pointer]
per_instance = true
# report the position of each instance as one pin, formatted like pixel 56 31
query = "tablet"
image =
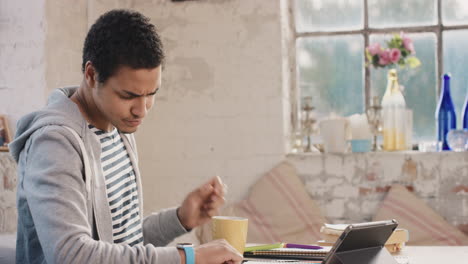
pixel 363 243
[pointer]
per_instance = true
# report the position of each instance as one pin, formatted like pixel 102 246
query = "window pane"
pixel 396 13
pixel 454 12
pixel 420 84
pixel 455 54
pixel 331 71
pixel 318 15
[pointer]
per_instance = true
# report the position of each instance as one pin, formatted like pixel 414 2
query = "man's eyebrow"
pixel 155 91
pixel 139 95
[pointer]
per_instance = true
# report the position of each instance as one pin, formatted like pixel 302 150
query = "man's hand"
pixel 202 203
pixel 217 252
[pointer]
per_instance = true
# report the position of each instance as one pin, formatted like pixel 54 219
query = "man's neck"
pixel 84 100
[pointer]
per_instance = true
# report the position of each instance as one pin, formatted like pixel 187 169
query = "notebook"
pixel 290 253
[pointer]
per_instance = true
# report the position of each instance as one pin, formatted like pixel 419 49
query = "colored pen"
pixel 289 245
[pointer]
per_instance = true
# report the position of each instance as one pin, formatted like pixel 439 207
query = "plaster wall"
pixel 67 25
pixel 22 58
pixel 220 109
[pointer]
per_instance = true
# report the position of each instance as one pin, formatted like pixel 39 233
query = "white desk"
pixel 427 255
pixel 435 255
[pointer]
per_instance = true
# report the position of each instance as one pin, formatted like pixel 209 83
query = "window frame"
pixel 366 31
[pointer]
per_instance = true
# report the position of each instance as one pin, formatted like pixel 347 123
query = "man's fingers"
pixel 214 185
pixel 218 186
pixel 237 256
pixel 215 201
pixel 206 191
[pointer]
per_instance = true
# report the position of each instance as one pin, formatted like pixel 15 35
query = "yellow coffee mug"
pixel 231 228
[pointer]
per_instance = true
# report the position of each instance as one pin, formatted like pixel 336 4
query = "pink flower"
pixel 374 48
pixel 395 55
pixel 408 43
pixel 384 57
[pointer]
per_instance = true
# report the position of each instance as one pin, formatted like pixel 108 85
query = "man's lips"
pixel 134 122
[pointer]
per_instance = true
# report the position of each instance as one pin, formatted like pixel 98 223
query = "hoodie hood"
pixel 60 111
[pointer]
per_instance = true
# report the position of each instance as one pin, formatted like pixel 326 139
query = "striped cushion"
pixel 278 208
pixel 426 227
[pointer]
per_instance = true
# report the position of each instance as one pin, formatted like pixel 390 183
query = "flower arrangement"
pixel 400 51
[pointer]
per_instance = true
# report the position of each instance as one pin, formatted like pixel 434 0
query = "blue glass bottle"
pixel 445 113
pixel 465 113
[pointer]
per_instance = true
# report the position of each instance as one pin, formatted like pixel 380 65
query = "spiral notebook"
pixel 289 253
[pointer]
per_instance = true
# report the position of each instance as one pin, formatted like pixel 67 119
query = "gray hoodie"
pixel 59 221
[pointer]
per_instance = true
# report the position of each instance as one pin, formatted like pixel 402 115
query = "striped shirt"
pixel 121 188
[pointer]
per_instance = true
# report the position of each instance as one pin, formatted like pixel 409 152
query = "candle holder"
pixel 308 122
pixel 374 117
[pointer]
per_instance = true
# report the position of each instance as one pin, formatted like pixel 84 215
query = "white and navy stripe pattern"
pixel 121 188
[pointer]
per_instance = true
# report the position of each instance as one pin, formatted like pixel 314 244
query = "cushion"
pixel 279 209
pixel 426 227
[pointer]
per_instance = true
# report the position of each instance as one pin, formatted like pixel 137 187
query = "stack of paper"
pixel 395 242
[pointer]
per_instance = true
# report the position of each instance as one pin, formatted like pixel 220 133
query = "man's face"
pixel 126 97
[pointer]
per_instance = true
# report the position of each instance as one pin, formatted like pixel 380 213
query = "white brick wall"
pixel 350 187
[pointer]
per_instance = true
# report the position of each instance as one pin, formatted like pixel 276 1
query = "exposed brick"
pixel 365 191
pixel 410 169
pixel 382 189
pixel 371 176
pixel 462 189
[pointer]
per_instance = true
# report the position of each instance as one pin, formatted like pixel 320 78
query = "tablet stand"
pixel 372 255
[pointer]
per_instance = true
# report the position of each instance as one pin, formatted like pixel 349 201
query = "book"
pixel 263 247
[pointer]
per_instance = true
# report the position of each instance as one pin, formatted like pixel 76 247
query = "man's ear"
pixel 90 75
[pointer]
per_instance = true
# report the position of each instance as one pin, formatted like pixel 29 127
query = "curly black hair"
pixel 122 38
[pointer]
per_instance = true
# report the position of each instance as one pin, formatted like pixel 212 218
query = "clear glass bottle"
pixel 393 115
pixel 445 113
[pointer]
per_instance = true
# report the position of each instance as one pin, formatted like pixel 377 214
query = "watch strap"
pixel 189 254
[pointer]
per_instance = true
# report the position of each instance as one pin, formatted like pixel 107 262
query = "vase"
pixel 393 115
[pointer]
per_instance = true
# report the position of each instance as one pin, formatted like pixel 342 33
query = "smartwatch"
pixel 189 252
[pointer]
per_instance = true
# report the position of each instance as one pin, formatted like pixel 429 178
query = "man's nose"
pixel 139 108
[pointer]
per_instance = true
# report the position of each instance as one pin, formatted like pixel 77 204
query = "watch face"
pixel 182 245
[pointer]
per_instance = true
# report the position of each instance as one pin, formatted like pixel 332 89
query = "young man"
pixel 79 189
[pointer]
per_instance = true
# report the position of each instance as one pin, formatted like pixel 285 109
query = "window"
pixel 331 36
